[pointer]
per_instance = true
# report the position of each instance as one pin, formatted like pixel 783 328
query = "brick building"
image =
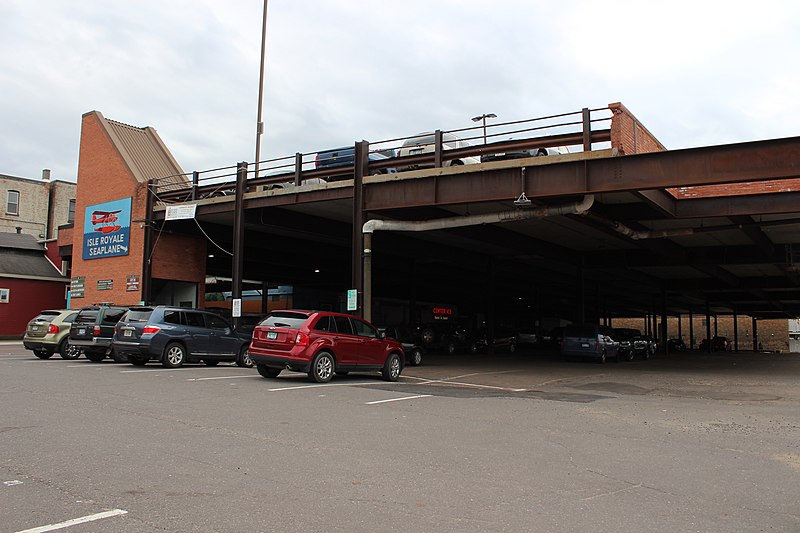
pixel 106 242
pixel 36 207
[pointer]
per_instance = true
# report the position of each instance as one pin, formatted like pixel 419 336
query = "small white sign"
pixel 181 212
pixel 352 299
pixel 236 308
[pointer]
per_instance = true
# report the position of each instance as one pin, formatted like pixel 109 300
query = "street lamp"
pixel 482 119
pixel 259 122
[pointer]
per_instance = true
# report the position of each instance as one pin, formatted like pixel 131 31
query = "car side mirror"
pixel 381 334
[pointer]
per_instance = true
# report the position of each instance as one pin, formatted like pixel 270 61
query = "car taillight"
pixel 52 329
pixel 150 330
pixel 96 330
pixel 301 339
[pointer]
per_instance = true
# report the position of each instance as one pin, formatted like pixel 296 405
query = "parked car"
pixel 589 341
pixel 423 143
pixel 48 333
pixel 718 344
pixel 321 343
pixel 553 338
pixel 502 341
pixel 625 336
pixel 519 154
pixel 177 335
pixel 676 345
pixel 345 157
pixel 644 346
pixel 411 346
pixel 92 330
pixel 445 337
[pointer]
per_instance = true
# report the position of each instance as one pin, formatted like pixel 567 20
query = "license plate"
pixel 127 333
pixel 416 150
pixel 585 345
pixel 272 335
pixel 34 328
pixel 82 331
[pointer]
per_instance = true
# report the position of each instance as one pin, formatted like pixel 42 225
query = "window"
pixel 216 322
pixel 12 206
pixel 363 329
pixel 343 325
pixel 172 317
pixel 324 324
pixel 195 320
pixel 71 216
pixel 5 294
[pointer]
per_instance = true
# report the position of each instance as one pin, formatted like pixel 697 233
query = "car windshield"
pixel 86 317
pixel 46 316
pixel 138 315
pixel 285 320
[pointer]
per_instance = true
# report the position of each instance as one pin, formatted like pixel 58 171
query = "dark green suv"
pixel 93 328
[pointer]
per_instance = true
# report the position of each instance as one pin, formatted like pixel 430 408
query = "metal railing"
pixel 566 132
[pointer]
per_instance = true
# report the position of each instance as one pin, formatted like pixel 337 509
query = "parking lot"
pixel 523 442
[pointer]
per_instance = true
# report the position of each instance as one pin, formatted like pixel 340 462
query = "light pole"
pixel 259 122
pixel 482 119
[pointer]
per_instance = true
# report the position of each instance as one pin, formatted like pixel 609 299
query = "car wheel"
pixel 69 350
pixel 456 163
pixel 416 357
pixel 450 347
pixel 512 348
pixel 646 355
pixel 428 335
pixel 244 357
pixel 473 347
pixel 629 356
pixel 43 354
pixel 174 355
pixel 322 368
pixel 210 362
pixel 603 359
pixel 391 368
pixel 135 361
pixel 95 357
pixel 268 371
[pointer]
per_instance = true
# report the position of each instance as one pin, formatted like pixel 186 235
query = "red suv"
pixel 322 343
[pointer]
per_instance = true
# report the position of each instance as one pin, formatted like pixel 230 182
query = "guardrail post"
pixel 298 168
pixel 587 130
pixel 195 183
pixel 237 265
pixel 437 148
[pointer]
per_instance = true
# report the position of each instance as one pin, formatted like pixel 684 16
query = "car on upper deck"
pixel 424 143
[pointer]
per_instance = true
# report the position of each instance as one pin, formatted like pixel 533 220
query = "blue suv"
pixel 176 335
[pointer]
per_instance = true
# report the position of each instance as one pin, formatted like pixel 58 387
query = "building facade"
pixel 36 207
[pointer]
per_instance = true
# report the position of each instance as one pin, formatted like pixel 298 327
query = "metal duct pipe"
pixel 576 208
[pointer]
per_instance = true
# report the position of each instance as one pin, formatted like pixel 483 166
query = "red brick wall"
pixel 103 176
pixel 772 334
pixel 27 298
pixel 181 258
pixel 628 135
pixel 734 189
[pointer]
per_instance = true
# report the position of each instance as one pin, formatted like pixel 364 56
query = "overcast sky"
pixel 694 73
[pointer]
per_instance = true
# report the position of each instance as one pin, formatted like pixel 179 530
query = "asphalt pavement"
pixel 523 442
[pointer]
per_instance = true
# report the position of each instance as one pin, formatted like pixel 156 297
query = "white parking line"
pixel 447 381
pixel 75 521
pixel 400 399
pixel 323 385
pixel 223 377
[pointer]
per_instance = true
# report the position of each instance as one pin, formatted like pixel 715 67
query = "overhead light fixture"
pixel 316 271
pixel 210 255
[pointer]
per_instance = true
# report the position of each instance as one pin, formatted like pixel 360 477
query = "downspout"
pixel 576 208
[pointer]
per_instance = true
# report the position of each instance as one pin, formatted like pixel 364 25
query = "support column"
pixel 237 265
pixel 708 327
pixel 147 267
pixel 264 297
pixel 735 331
pixel 491 307
pixel 367 288
pixel 680 326
pixel 360 169
pixel 581 294
pixel 755 334
pixel 691 330
pixel 664 324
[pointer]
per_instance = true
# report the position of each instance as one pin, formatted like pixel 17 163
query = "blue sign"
pixel 107 229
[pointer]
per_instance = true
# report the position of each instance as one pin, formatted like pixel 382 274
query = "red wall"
pixel 28 297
